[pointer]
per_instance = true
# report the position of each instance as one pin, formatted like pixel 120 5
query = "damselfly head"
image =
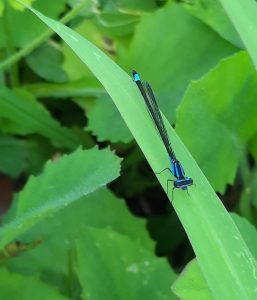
pixel 135 76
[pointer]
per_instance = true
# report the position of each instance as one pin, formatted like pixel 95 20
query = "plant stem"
pixel 248 183
pixel 10 49
pixel 71 273
pixel 41 38
pixel 245 204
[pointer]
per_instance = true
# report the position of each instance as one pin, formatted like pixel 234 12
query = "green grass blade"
pixel 23 110
pixel 224 259
pixel 243 15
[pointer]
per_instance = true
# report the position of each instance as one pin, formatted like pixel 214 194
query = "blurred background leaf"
pixel 191 284
pixel 49 192
pixel 20 287
pixel 22 109
pixel 175 64
pixel 228 115
pixel 12 156
pixel 212 13
pixel 136 274
pixel 46 61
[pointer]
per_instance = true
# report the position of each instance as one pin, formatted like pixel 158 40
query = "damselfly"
pixel 176 168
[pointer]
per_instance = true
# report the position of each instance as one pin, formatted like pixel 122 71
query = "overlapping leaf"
pixel 218 116
pixel 181 56
pixel 100 209
pixel 28 114
pixel 243 15
pixel 191 284
pixel 12 156
pixel 124 268
pixel 18 287
pixel 212 13
pixel 61 183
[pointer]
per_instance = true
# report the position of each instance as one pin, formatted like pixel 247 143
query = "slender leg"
pixel 169 180
pixel 163 171
pixel 172 194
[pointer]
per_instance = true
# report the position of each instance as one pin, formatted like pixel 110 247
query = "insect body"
pixel 181 182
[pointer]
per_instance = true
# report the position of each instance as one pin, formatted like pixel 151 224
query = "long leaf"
pixel 224 259
pixel 30 115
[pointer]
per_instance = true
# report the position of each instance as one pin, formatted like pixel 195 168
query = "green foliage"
pixel 212 13
pixel 118 132
pixel 135 275
pixel 15 286
pixel 174 64
pixel 204 238
pixel 243 15
pixel 14 4
pixel 65 234
pixel 61 183
pixel 191 283
pixel 54 255
pixel 45 61
pixel 229 115
pixel 31 26
pixel 12 156
pixel 31 117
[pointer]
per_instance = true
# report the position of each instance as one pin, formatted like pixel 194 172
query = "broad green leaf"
pixel 117 21
pixel 31 28
pixel 12 156
pixel 132 6
pixel 186 52
pixel 61 183
pixel 17 287
pixel 106 123
pixel 212 13
pixel 214 236
pixel 243 15
pixel 218 116
pixel 124 268
pixel 100 209
pixel 46 62
pixel 191 284
pixel 32 117
pixel 8 126
pixel 15 4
